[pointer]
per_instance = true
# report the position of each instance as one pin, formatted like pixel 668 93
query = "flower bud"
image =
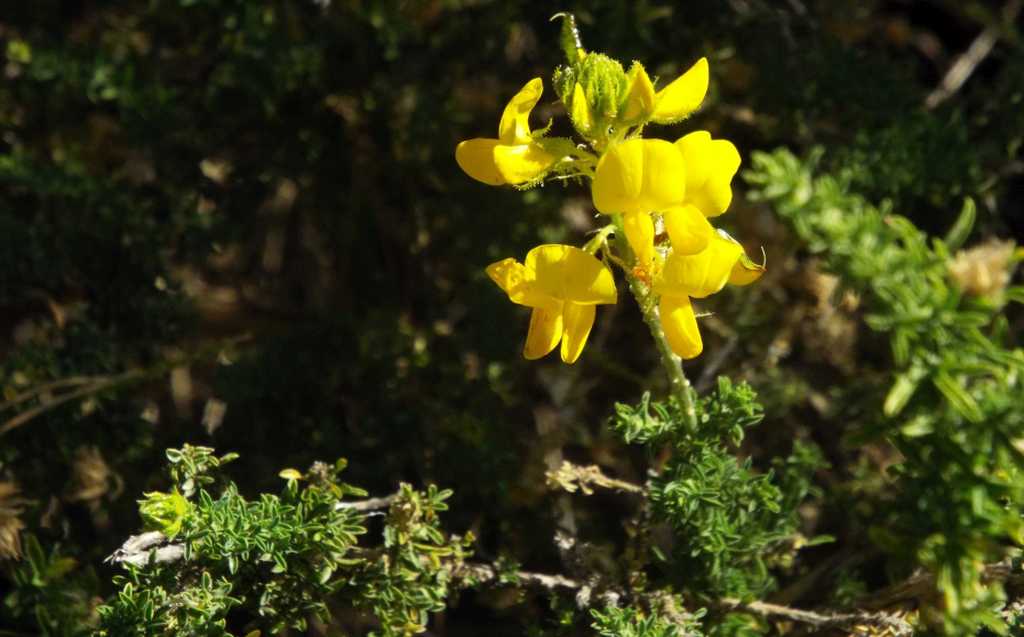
pixel 163 512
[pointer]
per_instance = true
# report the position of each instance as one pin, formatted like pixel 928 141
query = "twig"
pixel 145 548
pixel 720 357
pixel 573 478
pixel 963 67
pixel 96 387
pixel 96 384
pixel 922 584
pixel 370 504
pixel 485 573
pixel 822 620
pixel 71 381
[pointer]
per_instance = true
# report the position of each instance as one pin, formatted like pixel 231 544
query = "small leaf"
pixel 902 391
pixel 569 38
pixel 957 235
pixel 957 396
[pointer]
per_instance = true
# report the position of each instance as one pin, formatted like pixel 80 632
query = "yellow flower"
pixel 513 158
pixel 563 285
pixel 688 229
pixel 710 167
pixel 698 275
pixel 670 104
pixel 635 178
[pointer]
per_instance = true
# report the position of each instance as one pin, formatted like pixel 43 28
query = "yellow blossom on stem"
pixel 688 229
pixel 699 275
pixel 634 178
pixel 710 166
pixel 514 157
pixel 562 284
pixel 683 96
pixel 669 105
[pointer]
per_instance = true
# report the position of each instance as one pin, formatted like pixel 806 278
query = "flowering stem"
pixel 678 383
pixel 648 303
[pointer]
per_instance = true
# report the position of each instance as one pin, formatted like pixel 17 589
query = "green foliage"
pixel 407 581
pixel 728 519
pixel 951 408
pixel 629 622
pixel 281 560
pixel 176 171
pixel 48 589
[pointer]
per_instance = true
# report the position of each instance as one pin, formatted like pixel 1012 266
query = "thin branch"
pixel 573 478
pixel 370 504
pixel 145 548
pixel 923 584
pixel 94 388
pixel 95 384
pixel 71 381
pixel 822 620
pixel 964 65
pixel 480 573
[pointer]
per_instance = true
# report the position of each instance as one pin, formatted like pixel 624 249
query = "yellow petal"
pixel 683 95
pixel 702 274
pixel 570 274
pixel 680 325
pixel 746 271
pixel 711 165
pixel 519 283
pixel 577 320
pixel 514 127
pixel 580 113
pixel 640 98
pixel 639 175
pixel 639 227
pixel 476 158
pixel 545 331
pixel 522 163
pixel 694 148
pixel 688 229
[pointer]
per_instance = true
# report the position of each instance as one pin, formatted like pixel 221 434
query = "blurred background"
pixel 239 223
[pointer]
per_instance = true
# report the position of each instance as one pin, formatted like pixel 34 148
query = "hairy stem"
pixel 646 300
pixel 679 385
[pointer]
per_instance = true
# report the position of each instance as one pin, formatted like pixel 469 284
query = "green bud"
pixel 604 83
pixel 163 512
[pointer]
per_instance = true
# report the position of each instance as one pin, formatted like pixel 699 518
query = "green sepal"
pixel 569 37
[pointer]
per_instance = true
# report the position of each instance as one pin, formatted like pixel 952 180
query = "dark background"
pixel 264 193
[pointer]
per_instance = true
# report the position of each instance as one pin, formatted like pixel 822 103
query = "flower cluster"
pixel 659 195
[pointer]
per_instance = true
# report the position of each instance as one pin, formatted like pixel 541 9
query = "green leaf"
pixel 569 37
pixel 957 235
pixel 957 396
pixel 902 391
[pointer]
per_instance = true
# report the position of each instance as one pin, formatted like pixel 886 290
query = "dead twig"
pixel 90 385
pixel 823 619
pixel 966 63
pixel 370 504
pixel 572 478
pixel 38 390
pixel 94 388
pixel 480 573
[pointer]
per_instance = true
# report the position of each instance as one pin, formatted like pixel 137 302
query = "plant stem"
pixel 679 385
